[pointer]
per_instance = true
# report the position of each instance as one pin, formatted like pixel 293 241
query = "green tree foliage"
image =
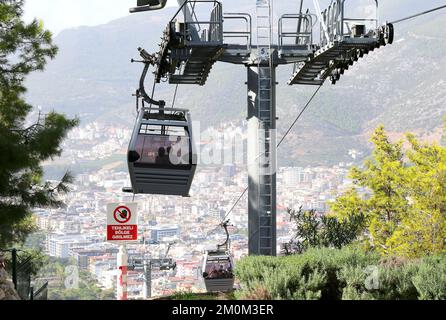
pixel 314 230
pixel 25 48
pixel 403 197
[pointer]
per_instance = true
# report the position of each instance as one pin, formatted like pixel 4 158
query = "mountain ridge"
pixel 401 86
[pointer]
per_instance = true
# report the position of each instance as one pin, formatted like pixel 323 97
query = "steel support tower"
pixel 262 159
pixel 191 47
pixel 261 143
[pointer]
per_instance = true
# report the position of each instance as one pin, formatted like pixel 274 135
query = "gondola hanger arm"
pixel 148 60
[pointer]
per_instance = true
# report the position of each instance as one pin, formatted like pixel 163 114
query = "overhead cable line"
pixel 236 203
pixel 278 145
pixel 175 96
pixel 419 14
pixel 300 114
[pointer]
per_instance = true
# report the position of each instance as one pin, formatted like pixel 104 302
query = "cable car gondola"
pixel 161 156
pixel 218 267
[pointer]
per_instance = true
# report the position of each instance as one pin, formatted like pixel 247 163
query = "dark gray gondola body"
pixel 149 178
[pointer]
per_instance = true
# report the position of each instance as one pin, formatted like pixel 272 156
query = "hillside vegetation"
pixel 347 274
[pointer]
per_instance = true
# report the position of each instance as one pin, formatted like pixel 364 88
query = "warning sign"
pixel 122 222
pixel 122 214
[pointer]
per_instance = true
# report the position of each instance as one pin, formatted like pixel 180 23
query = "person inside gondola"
pixel 214 273
pixel 162 158
pixel 221 272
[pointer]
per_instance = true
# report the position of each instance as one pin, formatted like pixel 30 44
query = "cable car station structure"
pixel 191 47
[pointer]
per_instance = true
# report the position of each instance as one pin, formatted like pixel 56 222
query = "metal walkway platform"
pixel 344 40
pixel 332 60
pixel 190 46
pixel 197 67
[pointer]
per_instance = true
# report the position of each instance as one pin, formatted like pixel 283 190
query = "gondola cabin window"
pixel 218 268
pixel 163 145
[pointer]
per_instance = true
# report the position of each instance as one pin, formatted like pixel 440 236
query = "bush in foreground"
pixel 346 274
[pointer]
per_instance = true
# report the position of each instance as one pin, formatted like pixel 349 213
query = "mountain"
pixel 402 86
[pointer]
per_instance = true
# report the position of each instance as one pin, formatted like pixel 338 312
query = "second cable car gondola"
pixel 161 156
pixel 218 267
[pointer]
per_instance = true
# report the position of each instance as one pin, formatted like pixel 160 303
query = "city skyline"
pixel 193 221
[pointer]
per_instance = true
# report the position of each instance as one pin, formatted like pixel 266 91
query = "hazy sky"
pixel 62 14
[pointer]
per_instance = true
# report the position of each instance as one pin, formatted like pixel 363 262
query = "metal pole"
pixel 147 279
pixel 261 159
pixel 122 273
pixel 14 267
pixel 299 25
pixel 323 25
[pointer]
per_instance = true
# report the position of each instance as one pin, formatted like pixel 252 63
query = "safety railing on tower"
pixel 302 33
pixel 240 28
pixel 196 29
pixel 191 44
pixel 335 26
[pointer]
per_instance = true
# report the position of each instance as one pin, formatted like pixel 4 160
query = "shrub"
pixel 310 276
pixel 378 283
pixel 348 274
pixel 430 281
pixel 288 282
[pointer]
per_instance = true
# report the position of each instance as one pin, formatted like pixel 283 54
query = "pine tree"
pixel 312 230
pixel 402 196
pixel 424 224
pixel 25 48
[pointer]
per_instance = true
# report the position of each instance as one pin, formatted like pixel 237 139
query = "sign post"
pixel 121 280
pixel 122 228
